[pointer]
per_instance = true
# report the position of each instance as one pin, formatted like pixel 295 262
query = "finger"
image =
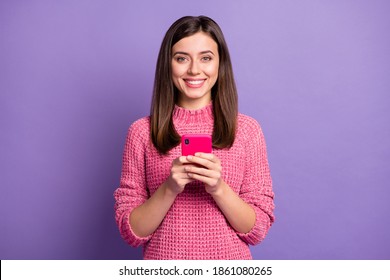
pixel 182 176
pixel 182 179
pixel 179 169
pixel 180 161
pixel 183 160
pixel 202 171
pixel 208 181
pixel 179 176
pixel 208 156
pixel 203 162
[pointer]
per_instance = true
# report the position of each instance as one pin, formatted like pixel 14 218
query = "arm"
pixel 250 212
pixel 256 188
pixel 239 214
pixel 146 218
pixel 132 190
pixel 138 215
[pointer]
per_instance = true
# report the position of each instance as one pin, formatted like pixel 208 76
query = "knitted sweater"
pixel 194 227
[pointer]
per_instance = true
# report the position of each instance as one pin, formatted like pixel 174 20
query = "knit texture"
pixel 194 227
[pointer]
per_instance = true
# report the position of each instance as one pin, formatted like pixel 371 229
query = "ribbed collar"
pixel 184 115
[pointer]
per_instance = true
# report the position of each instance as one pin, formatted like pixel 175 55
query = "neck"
pixel 202 115
pixel 192 104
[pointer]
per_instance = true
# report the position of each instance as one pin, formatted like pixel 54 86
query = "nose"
pixel 194 68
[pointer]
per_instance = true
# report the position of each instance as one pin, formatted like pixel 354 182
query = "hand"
pixel 178 177
pixel 207 169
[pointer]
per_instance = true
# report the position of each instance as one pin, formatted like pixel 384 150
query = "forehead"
pixel 196 43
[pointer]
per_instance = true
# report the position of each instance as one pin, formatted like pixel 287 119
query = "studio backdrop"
pixel 75 74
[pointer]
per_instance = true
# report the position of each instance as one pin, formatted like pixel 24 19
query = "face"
pixel 195 63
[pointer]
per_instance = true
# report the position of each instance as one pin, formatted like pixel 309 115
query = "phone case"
pixel 193 143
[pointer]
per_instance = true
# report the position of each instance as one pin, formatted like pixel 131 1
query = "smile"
pixel 194 83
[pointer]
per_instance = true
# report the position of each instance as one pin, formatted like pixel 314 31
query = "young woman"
pixel 206 206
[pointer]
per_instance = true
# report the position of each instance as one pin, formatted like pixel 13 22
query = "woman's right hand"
pixel 178 177
pixel 147 217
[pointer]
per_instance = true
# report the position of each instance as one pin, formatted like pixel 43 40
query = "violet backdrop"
pixel 75 74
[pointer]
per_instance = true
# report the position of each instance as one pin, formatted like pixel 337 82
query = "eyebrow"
pixel 184 53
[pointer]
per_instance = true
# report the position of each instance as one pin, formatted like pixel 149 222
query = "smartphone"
pixel 193 143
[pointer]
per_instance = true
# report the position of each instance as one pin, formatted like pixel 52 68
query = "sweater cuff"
pixel 259 230
pixel 128 234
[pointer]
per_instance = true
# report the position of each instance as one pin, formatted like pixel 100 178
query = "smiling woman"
pixel 167 93
pixel 203 206
pixel 195 66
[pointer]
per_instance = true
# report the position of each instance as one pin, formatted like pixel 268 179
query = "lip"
pixel 194 83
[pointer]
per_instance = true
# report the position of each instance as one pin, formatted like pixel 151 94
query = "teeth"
pixel 195 82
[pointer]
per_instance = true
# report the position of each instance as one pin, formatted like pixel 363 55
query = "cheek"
pixel 177 70
pixel 176 74
pixel 212 71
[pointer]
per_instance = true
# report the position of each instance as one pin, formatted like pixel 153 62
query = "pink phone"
pixel 193 143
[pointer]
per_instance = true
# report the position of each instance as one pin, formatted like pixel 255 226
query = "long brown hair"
pixel 223 94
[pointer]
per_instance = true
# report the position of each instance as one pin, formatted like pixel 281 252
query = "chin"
pixel 196 96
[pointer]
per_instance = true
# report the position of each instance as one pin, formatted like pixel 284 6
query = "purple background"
pixel 75 74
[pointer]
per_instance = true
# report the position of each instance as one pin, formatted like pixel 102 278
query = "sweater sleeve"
pixel 256 189
pixel 132 190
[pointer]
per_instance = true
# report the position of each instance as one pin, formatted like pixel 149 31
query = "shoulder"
pixel 248 125
pixel 140 129
pixel 142 123
pixel 249 132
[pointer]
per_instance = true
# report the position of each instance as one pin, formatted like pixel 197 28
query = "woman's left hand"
pixel 208 170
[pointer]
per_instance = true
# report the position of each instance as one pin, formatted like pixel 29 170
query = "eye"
pixel 206 58
pixel 180 59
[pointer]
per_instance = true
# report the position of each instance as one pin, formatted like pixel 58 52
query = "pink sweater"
pixel 194 227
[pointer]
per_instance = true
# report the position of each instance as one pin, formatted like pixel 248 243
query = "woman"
pixel 206 206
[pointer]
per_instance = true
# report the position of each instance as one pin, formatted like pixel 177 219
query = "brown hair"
pixel 224 92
